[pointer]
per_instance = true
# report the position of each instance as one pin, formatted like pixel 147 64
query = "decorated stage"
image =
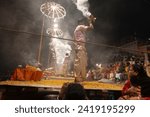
pixel 57 82
pixel 51 86
pixel 31 77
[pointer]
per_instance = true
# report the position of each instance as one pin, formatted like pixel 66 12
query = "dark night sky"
pixel 124 17
pixel 116 19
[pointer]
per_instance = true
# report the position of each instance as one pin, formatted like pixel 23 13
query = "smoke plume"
pixel 83 6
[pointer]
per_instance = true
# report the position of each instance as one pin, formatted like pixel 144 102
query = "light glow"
pixel 53 10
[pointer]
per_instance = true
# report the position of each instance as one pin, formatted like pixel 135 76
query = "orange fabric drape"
pixel 26 74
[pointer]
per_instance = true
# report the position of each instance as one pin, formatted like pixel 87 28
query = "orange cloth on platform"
pixel 18 74
pixel 26 74
pixel 36 76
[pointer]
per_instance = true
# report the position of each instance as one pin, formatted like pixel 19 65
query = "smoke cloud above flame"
pixel 83 6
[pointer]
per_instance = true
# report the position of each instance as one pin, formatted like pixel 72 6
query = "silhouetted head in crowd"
pixel 138 77
pixel 75 91
pixel 63 91
pixel 135 81
pixel 138 71
pixel 137 74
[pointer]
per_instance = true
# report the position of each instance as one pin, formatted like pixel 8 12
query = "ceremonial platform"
pixel 50 87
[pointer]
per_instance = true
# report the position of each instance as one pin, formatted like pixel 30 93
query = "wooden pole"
pixel 41 41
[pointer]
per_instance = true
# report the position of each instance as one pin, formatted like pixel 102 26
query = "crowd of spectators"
pixel 117 71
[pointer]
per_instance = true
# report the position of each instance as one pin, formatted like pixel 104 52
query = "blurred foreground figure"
pixel 147 64
pixel 72 91
pixel 63 90
pixel 138 85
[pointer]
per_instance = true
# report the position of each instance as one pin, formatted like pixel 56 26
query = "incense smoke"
pixel 61 49
pixel 83 6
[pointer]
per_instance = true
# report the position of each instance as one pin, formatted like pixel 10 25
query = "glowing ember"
pixel 53 10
